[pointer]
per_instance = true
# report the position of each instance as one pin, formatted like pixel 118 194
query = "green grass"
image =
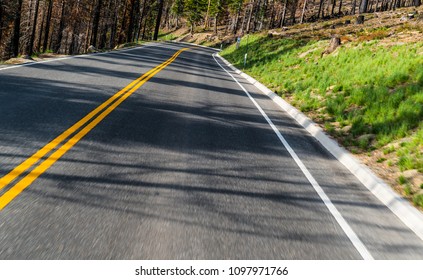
pixel 388 150
pixel 418 200
pixel 408 190
pixel 410 152
pixel 168 36
pixel 380 160
pixel 375 89
pixel 402 180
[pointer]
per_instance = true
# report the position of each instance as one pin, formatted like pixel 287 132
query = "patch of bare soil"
pixel 401 26
pixel 381 164
pixel 26 59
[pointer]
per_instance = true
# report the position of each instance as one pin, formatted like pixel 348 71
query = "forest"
pixel 28 27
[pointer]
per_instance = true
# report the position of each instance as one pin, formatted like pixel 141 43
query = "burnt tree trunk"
pixel 130 30
pixel 354 4
pixel 272 16
pixel 143 11
pixel 40 34
pixel 333 8
pixel 48 22
pixel 293 10
pixel 377 3
pixel 17 29
pixel 61 27
pixel 158 20
pixel 96 22
pixel 320 8
pixel 282 22
pixel 1 22
pixel 364 6
pixel 34 26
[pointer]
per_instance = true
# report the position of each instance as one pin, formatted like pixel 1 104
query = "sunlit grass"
pixel 374 89
pixel 377 90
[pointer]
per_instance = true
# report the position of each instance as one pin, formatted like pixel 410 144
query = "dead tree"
pixel 17 29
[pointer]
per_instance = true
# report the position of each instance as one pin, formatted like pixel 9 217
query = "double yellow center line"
pixel 78 130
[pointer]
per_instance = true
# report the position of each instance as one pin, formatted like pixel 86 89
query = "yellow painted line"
pixel 46 164
pixel 28 163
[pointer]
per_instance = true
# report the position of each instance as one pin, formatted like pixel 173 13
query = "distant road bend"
pixel 162 152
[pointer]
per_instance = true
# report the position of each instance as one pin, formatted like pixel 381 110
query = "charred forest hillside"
pixel 71 26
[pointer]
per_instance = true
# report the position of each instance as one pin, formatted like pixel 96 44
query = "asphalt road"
pixel 185 168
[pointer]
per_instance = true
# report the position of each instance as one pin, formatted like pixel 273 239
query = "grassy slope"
pixel 368 93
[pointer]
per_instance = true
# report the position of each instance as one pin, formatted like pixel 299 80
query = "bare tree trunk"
pixel 88 33
pixel 333 8
pixel 302 14
pixel 215 24
pixel 327 7
pixel 132 14
pixel 113 30
pixel 293 10
pixel 249 18
pixel 354 4
pixel 48 22
pixel 265 8
pixel 364 6
pixel 121 33
pixel 17 29
pixel 104 26
pixel 272 16
pixel 167 18
pixel 96 21
pixel 238 14
pixel 206 19
pixel 158 20
pixel 34 26
pixel 75 40
pixel 243 21
pixel 145 25
pixel 1 23
pixel 40 33
pixel 256 15
pixel 61 27
pixel 141 20
pixel 282 22
pixel 393 4
pixel 320 8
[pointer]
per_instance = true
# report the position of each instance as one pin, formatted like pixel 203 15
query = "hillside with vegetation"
pixel 367 93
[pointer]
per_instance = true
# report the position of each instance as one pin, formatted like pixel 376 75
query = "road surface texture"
pixel 186 167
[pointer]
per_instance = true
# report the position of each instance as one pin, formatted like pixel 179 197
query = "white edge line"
pixel 409 215
pixel 73 56
pixel 355 240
